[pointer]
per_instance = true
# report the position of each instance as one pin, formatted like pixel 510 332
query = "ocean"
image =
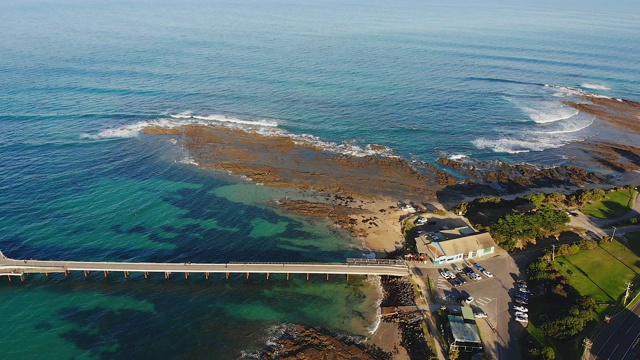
pixel 79 79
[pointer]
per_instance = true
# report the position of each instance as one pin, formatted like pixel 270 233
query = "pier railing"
pixel 11 267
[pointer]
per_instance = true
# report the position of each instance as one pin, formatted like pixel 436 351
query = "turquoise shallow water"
pixel 79 78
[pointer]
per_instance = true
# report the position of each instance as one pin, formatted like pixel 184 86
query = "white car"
pixel 479 315
pixel 449 274
pixel 487 273
pixel 520 308
pixel 421 221
pixel 521 319
pixel 476 277
pixel 469 299
pixel 521 315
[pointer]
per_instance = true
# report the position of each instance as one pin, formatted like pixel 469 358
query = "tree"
pixel 537 199
pixel 540 270
pixel 547 353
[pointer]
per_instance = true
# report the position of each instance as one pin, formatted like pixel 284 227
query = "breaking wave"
pixel 265 127
pixel 227 119
pixel 595 86
pixel 545 111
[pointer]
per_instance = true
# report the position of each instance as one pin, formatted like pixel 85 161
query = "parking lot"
pixel 493 295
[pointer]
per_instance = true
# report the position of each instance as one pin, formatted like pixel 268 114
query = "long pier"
pixel 12 267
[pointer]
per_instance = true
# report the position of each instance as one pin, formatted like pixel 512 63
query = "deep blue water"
pixel 425 78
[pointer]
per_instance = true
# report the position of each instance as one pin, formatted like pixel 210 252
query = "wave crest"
pixel 595 86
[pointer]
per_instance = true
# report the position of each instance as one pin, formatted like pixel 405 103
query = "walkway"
pixel 10 267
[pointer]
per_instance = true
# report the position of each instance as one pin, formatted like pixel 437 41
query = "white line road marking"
pixel 633 344
pixel 613 352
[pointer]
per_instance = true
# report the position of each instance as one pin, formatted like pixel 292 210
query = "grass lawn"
pixel 614 204
pixel 601 273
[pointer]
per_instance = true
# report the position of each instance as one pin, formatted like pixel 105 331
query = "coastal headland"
pixel 364 193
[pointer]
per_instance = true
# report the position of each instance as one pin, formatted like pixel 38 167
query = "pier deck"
pixel 9 267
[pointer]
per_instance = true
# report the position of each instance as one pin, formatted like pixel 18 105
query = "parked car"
pixel 523 290
pixel 521 301
pixel 521 283
pixel 461 279
pixel 420 221
pixel 443 273
pixel 522 296
pixel 520 308
pixel 521 314
pixel 521 286
pixel 476 276
pixel 521 319
pixel 449 274
pixel 468 270
pixel 478 266
pixel 479 315
pixel 487 273
pixel 469 299
pixel 454 281
pixel 456 268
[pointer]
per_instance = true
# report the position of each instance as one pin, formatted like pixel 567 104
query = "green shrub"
pixel 588 244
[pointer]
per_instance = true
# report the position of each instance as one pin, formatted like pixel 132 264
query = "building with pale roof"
pixel 452 245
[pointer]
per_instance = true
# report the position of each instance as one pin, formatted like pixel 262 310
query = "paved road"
pixel 619 339
pixel 11 266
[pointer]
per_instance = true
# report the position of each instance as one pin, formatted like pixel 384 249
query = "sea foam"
pixel 595 86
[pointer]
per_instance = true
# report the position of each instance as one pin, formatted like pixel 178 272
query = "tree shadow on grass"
pixel 589 278
pixel 612 210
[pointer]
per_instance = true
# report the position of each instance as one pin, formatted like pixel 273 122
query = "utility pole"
pixel 614 233
pixel 626 294
pixel 553 253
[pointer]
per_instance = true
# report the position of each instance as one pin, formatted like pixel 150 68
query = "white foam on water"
pixel 265 127
pixel 595 86
pixel 457 157
pixel 172 121
pixel 543 112
pixel 375 281
pixel 572 127
pixel 123 132
pixel 226 119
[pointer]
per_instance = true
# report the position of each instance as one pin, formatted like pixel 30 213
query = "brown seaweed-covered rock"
pixel 279 160
pixel 300 342
pixel 509 178
pixel 445 179
pixel 341 215
pixel 618 112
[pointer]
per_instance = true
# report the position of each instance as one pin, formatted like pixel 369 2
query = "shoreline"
pixel 363 194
